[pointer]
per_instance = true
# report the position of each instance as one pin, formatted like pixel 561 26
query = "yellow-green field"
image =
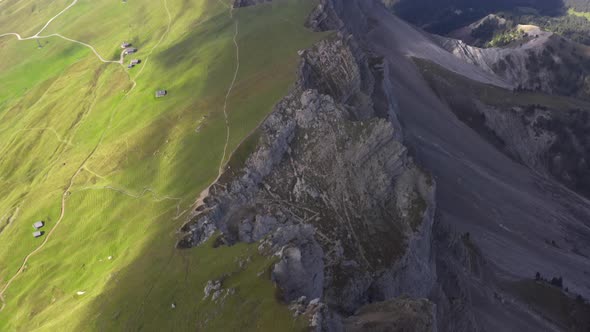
pixel 114 172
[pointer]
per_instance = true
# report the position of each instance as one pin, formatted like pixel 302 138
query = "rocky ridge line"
pixel 330 189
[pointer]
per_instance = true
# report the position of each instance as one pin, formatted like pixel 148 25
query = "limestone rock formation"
pixel 330 190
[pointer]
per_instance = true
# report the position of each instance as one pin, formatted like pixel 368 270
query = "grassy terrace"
pixel 129 166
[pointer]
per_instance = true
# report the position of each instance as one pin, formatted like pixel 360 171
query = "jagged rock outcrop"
pixel 330 190
pixel 370 207
pixel 300 269
pixel 324 17
pixel 214 291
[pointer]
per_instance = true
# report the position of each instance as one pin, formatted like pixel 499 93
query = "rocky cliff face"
pixel 330 189
pixel 363 236
pixel 510 212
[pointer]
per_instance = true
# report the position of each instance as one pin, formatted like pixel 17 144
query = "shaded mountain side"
pixel 540 62
pixel 485 190
pixel 510 211
pixel 458 18
pixel 545 297
pixel 549 136
pixel 416 43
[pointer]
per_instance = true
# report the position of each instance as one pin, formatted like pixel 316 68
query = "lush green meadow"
pixel 128 166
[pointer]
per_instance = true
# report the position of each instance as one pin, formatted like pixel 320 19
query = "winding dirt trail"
pixel 56 16
pixel 38 36
pixel 205 192
pixel 47 237
pixel 20 38
pixel 64 196
pixel 229 91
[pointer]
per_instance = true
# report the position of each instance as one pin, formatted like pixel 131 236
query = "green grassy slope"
pixel 129 166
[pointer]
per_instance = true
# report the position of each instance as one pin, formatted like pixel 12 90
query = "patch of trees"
pixel 506 37
pixel 487 30
pixel 569 26
pixel 555 281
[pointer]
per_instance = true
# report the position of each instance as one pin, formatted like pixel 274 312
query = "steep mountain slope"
pixel 113 171
pixel 547 134
pixel 497 222
pixel 509 211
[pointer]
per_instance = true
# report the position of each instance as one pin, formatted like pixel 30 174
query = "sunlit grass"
pixel 144 161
